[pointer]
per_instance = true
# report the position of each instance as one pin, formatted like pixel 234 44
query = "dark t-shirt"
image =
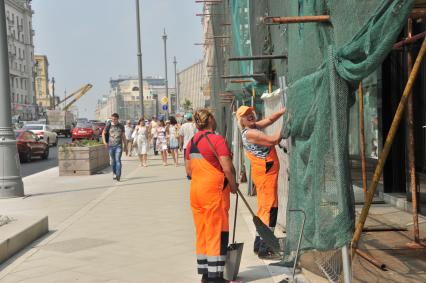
pixel 115 134
pixel 206 151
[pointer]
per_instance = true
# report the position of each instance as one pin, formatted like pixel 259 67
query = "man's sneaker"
pixel 118 178
pixel 114 177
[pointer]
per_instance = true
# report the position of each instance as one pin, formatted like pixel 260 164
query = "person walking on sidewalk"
pixel 186 132
pixel 141 142
pixel 114 139
pixel 128 130
pixel 162 141
pixel 260 150
pixel 172 133
pixel 209 167
pixel 153 127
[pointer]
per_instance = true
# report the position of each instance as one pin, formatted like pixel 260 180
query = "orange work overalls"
pixel 264 173
pixel 210 204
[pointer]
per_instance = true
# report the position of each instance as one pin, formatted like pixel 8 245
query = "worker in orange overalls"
pixel 265 167
pixel 209 166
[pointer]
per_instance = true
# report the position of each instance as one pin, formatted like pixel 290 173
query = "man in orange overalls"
pixel 209 166
pixel 265 167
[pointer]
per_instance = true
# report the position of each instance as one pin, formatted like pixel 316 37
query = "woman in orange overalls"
pixel 265 167
pixel 209 166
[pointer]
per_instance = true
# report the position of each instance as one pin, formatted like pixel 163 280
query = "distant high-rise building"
pixel 21 58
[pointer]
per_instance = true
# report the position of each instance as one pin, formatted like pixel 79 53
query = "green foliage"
pixel 81 143
pixel 187 105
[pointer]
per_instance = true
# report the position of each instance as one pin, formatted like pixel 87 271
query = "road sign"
pixel 164 100
pixel 165 107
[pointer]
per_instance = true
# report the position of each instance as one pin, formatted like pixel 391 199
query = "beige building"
pixel 21 58
pixel 43 97
pixel 192 84
pixel 123 98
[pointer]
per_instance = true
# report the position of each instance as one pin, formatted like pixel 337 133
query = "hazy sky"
pixel 90 41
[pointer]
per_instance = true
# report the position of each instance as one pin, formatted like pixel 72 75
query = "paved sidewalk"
pixel 136 230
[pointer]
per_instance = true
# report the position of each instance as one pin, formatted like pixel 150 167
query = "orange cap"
pixel 243 110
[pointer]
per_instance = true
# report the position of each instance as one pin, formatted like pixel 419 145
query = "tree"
pixel 187 105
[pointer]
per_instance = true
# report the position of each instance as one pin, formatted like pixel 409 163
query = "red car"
pixel 85 131
pixel 30 145
pixel 100 126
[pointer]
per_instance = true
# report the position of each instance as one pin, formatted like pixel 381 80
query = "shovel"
pixel 264 232
pixel 234 253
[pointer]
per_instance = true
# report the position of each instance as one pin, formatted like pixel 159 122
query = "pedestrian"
pixel 172 134
pixel 209 167
pixel 260 150
pixel 154 126
pixel 162 141
pixel 114 139
pixel 141 142
pixel 186 132
pixel 128 130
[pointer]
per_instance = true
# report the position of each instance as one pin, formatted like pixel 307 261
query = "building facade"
pixel 192 85
pixel 42 94
pixel 123 98
pixel 21 58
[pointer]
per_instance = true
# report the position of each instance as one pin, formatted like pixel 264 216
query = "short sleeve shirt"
pixel 206 151
pixel 115 134
pixel 187 131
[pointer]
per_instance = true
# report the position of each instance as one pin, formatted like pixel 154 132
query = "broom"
pixel 264 232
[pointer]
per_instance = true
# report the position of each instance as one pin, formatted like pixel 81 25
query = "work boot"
pixel 256 244
pixel 266 252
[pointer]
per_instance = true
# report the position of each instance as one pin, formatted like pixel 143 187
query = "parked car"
pixel 30 145
pixel 44 132
pixel 100 126
pixel 85 130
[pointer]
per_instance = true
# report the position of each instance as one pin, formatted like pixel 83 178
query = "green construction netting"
pixel 325 62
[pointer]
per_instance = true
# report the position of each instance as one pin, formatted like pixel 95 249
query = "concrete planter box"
pixel 82 160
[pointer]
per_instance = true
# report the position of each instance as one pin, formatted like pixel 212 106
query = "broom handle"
pixel 235 219
pixel 246 203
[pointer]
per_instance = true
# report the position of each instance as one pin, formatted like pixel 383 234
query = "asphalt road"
pixel 38 165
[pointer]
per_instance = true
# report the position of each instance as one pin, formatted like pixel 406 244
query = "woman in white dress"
pixel 172 134
pixel 162 141
pixel 141 140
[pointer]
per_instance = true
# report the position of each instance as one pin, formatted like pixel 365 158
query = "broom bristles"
pixel 267 235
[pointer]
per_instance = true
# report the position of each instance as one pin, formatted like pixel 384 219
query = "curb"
pixel 18 234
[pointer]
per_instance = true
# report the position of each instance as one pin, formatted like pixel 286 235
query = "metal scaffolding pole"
pixel 140 73
pixel 387 146
pixel 10 176
pixel 362 139
pixel 410 145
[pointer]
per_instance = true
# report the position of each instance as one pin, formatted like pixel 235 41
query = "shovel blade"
pixel 233 260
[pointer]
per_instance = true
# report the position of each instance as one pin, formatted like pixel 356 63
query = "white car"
pixel 44 132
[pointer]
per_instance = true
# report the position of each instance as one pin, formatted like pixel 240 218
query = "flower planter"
pixel 82 160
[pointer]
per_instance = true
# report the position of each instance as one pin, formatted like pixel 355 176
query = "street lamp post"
pixel 176 86
pixel 165 67
pixel 139 60
pixel 10 176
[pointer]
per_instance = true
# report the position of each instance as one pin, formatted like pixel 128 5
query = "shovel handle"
pixel 235 219
pixel 245 202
